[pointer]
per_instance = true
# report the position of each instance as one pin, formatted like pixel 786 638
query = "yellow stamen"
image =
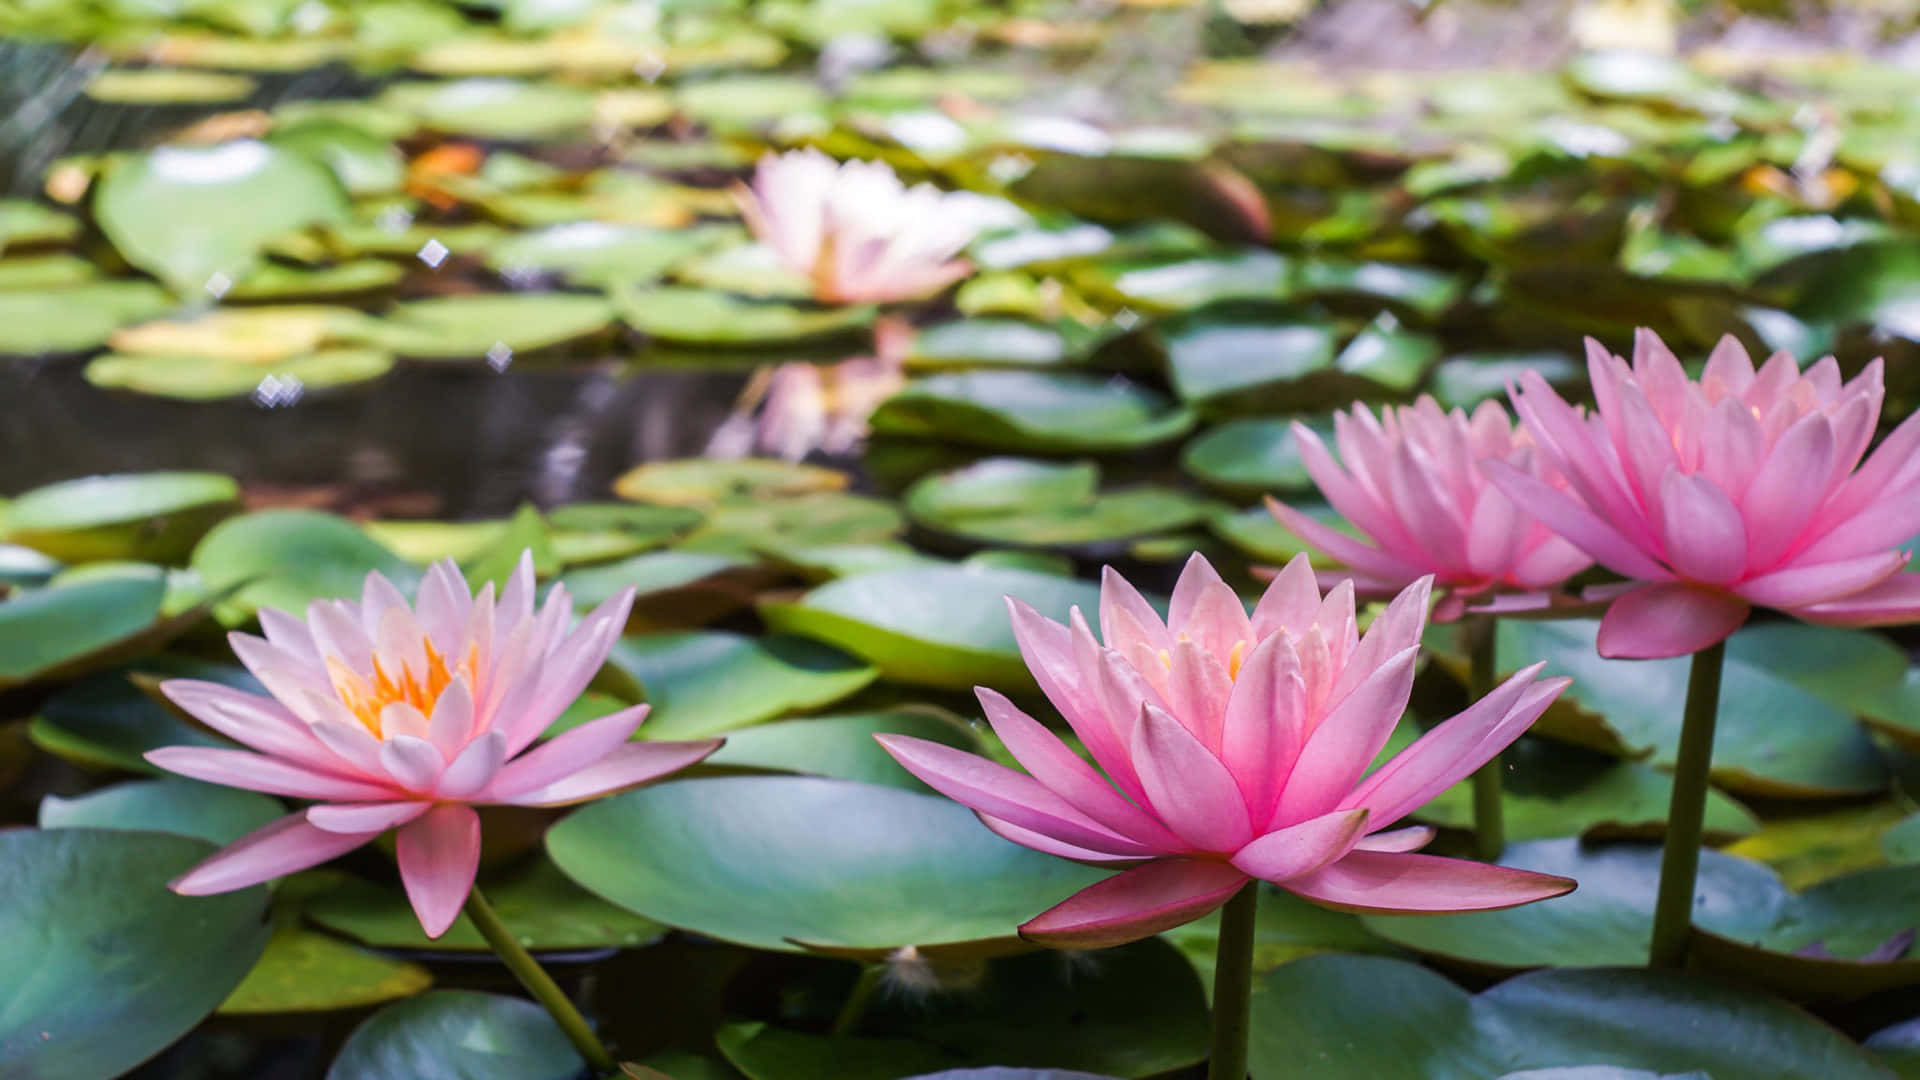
pixel 1166 659
pixel 1235 658
pixel 404 686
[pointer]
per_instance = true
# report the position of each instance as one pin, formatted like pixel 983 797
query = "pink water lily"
pixel 1413 484
pixel 1232 747
pixel 396 717
pixel 857 232
pixel 1735 491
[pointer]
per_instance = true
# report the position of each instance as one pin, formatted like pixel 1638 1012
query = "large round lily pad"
pixel 781 862
pixel 1027 411
pixel 105 721
pixel 842 746
pixel 1024 503
pixel 705 683
pixel 171 804
pixel 59 631
pixel 304 972
pixel 289 558
pixel 944 626
pixel 155 517
pixel 105 967
pixel 458 1035
pixel 1365 1017
pixel 1250 458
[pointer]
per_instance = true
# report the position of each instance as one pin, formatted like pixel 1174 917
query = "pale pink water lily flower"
pixel 1733 492
pixel 1413 483
pixel 858 233
pixel 1231 747
pixel 390 716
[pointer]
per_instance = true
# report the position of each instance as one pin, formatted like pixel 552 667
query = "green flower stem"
pixel 1489 822
pixel 855 1008
pixel 1233 985
pixel 1680 861
pixel 538 983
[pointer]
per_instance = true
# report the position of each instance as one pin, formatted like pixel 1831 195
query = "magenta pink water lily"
pixel 1735 491
pixel 1413 483
pixel 397 717
pixel 1232 747
pixel 857 232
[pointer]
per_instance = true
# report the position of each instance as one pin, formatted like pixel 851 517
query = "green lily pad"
pixel 1364 1017
pixel 540 906
pixel 105 965
pixel 172 804
pixel 1463 381
pixel 365 163
pixel 998 343
pixel 74 318
pixel 287 559
pixel 1251 457
pixel 278 281
pixel 167 86
pixel 703 317
pixel 741 100
pixel 1164 286
pixel 457 1035
pixel 599 253
pixel 1774 737
pixel 305 972
pixel 1258 534
pixel 827 517
pixel 1138 1013
pixel 942 626
pixel 676 589
pixel 24 223
pixel 60 631
pixel 207 378
pixel 156 516
pixel 1260 355
pixel 772 861
pixel 707 682
pixel 494 327
pixel 1286 928
pixel 1415 290
pixel 751 270
pixel 105 722
pixel 647 524
pixel 842 746
pixel 1898 1046
pixel 1035 504
pixel 705 481
pixel 1001 486
pixel 50 271
pixel 526 534
pixel 1037 412
pixel 495 108
pixel 198 217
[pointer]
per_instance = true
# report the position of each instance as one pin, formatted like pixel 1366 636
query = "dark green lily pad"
pixel 60 631
pixel 305 972
pixel 1182 284
pixel 156 517
pixel 494 327
pixel 934 626
pixel 289 558
pixel 540 906
pixel 772 861
pixel 1138 1013
pixel 1034 412
pixel 1898 1046
pixel 105 722
pixel 1415 290
pixel 198 217
pixel 171 804
pixel 1364 1017
pixel 704 317
pixel 842 746
pixel 1251 457
pixel 457 1035
pixel 1257 533
pixel 708 682
pixel 1221 356
pixel 652 574
pixel 1286 928
pixel 105 965
pixel 74 318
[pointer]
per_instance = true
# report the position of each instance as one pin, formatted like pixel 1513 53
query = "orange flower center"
pixel 402 686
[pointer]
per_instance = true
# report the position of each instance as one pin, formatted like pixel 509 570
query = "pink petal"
pixel 1496 535
pixel 625 767
pixel 274 850
pixel 365 818
pixel 413 763
pixel 1399 883
pixel 1290 601
pixel 473 768
pixel 1788 489
pixel 1575 523
pixel 1346 742
pixel 443 607
pixel 1419 495
pixel 1065 773
pixel 1803 585
pixel 256 772
pixel 439 855
pixel 1893 601
pixel 1052 654
pixel 1340 546
pixel 567 753
pixel 1198 687
pixel 1729 369
pixel 1548 565
pixel 1217 621
pixel 1360 498
pixel 1396 629
pixel 1134 904
pixel 254 721
pixel 1265 723
pixel 1705 537
pixel 1187 786
pixel 1041 842
pixel 1412 838
pixel 1666 619
pixel 1567 440
pixel 1117 595
pixel 1302 848
pixel 1197 578
pixel 451 724
pixel 576 660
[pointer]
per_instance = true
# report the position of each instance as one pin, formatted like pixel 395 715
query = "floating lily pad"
pixel 462 327
pixel 457 1033
pixel 1898 1046
pixel 595 253
pixel 1464 381
pixel 1032 412
pixel 1138 1013
pixel 934 626
pixel 539 905
pixel 278 281
pixel 275 382
pixel 842 746
pixel 287 559
pixel 495 108
pixel 705 683
pixel 1028 503
pixel 167 86
pixel 1415 290
pixel 155 516
pixel 773 861
pixel 1286 928
pixel 1250 458
pixel 751 270
pixel 740 100
pixel 172 804
pixel 304 972
pixel 1009 343
pixel 51 271
pixel 827 517
pixel 646 524
pixel 60 631
pixel 74 318
pixel 198 217
pixel 1255 532
pixel 105 722
pixel 705 481
pixel 1364 1017
pixel 703 317
pixel 1166 286
pixel 24 223
pixel 364 162
pixel 675 588
pixel 105 965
